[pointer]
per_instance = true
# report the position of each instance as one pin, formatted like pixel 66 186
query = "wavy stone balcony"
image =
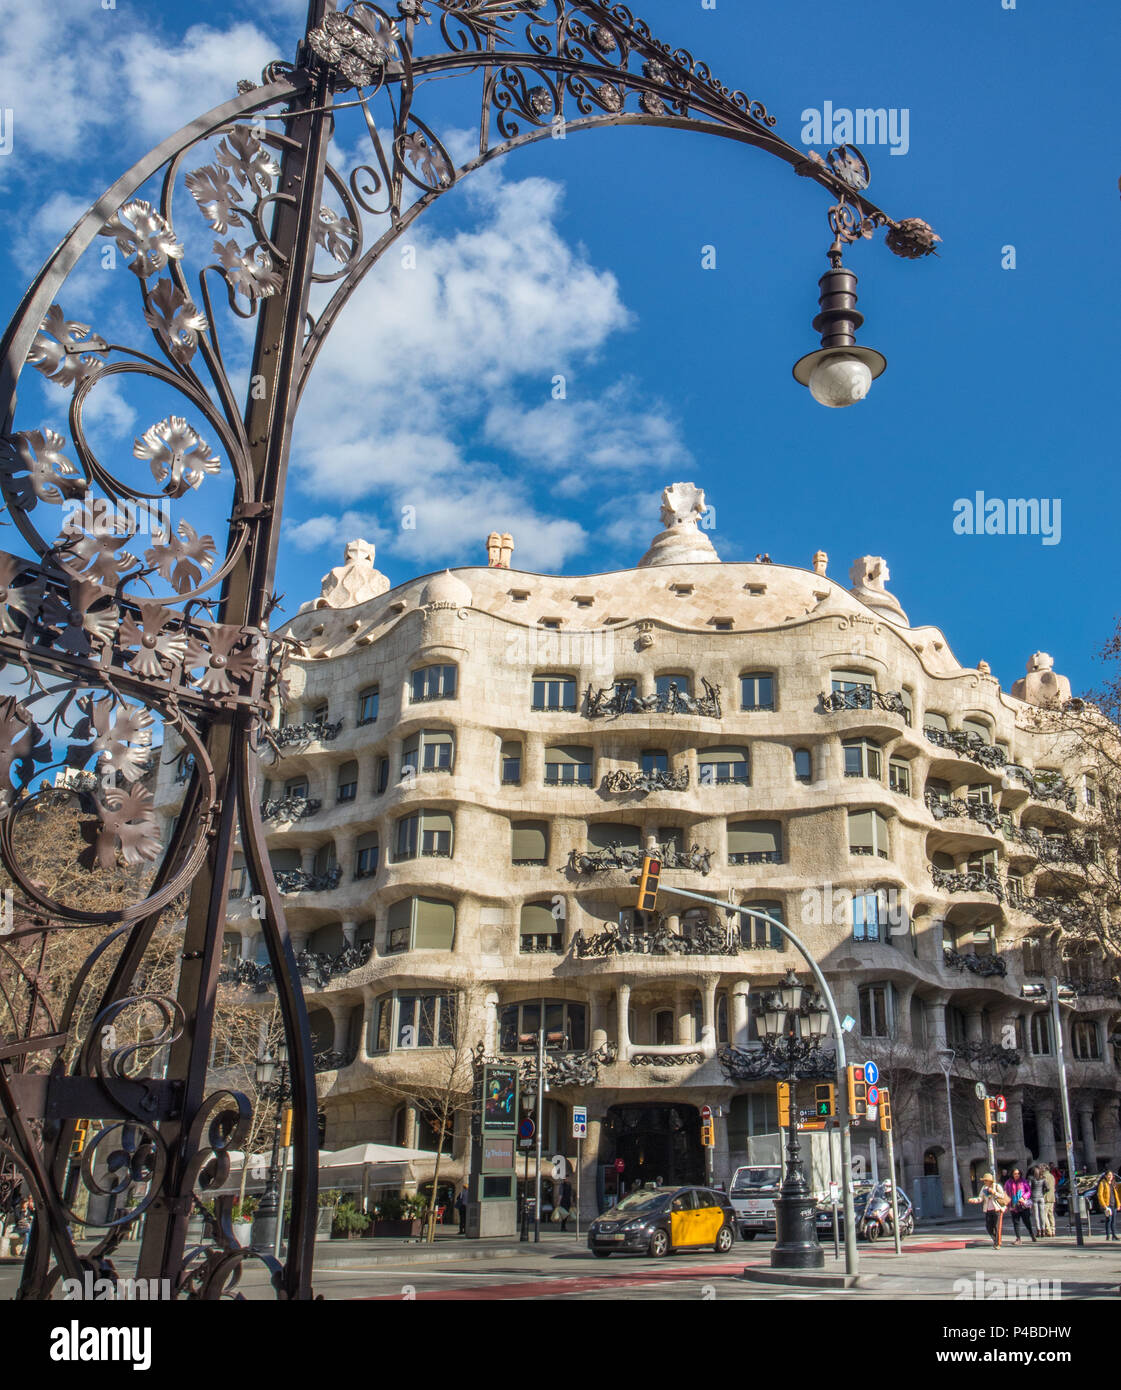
pixel 289 808
pixel 966 744
pixel 976 965
pixel 983 812
pixel 617 700
pixel 864 697
pixel 318 968
pixel 950 881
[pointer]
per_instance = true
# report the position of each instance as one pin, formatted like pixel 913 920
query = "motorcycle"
pixel 876 1220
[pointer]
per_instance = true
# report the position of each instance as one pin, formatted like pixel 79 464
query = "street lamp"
pixel 792 1023
pixel 840 372
pixel 272 1083
pixel 529 1100
pixel 946 1061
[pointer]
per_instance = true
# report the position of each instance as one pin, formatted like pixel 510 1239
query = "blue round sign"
pixel 871 1073
pixel 526 1129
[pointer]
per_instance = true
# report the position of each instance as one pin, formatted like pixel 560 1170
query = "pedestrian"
pixel 1109 1199
pixel 25 1219
pixel 564 1204
pixel 1049 1186
pixel 1018 1191
pixel 1038 1192
pixel 461 1207
pixel 992 1200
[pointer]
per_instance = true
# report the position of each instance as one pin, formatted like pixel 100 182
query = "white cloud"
pixel 332 530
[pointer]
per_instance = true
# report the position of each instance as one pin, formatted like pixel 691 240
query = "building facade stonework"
pixel 472 763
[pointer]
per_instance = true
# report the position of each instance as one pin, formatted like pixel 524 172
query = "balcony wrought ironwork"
pixel 300 735
pixel 950 881
pixel 967 744
pixel 1043 786
pixel 619 856
pixel 667 1059
pixel 561 1068
pixel 976 965
pixel 1071 915
pixel 319 968
pixel 750 1064
pixel 864 697
pixel 289 808
pixel 335 1061
pixel 299 880
pixel 624 699
pixel 627 780
pixel 705 939
pixel 954 808
pixel 988 1054
pixel 757 856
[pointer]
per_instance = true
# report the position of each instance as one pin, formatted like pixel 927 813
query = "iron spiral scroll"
pixel 109 636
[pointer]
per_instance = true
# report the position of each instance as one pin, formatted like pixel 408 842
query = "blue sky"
pixel 584 258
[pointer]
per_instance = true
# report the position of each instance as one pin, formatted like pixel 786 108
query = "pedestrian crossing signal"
pixel 824 1100
pixel 857 1092
pixel 648 884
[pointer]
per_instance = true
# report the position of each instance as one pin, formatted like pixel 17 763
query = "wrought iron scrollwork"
pixel 746 1064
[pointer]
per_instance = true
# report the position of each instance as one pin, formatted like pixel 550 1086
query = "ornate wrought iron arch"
pixel 102 642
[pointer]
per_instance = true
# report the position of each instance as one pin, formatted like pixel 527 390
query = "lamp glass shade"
pixel 791 992
pixel 282 1053
pixel 839 380
pixel 817 1023
pixel 266 1069
pixel 772 1021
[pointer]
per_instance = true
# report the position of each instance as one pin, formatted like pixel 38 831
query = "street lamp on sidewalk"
pixel 272 1084
pixel 946 1061
pixel 792 1024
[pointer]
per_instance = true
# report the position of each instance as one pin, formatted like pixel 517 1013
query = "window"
pixel 325 859
pixel 565 1025
pixel 366 855
pixel 1031 956
pixel 756 934
pixel 540 929
pixel 975 726
pixel 382 1025
pixel 428 833
pixel 870 916
pixel 670 688
pixel 955 1026
pixel 983 940
pixel 985 863
pixel 938 792
pixel 1040 1035
pixel 862 758
pixel 755 842
pixel 721 767
pixel 875 1011
pixel 930 720
pixel 554 692
pixel 979 794
pixel 425 1020
pixel 605 834
pixel 239 877
pixel 434 683
pixel 722 1034
pixel 296 789
pixel 803 765
pixel 868 833
pixel 1090 790
pixel 420 924
pixel 899 776
pixel 433 750
pixel 346 787
pixel 757 691
pixel 1085 1040
pixel 510 762
pixel 568 766
pixel 529 841
pixel 654 760
pixel 368 705
pixel 383 775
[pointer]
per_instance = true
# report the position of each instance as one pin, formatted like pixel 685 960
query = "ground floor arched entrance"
pixel 653 1143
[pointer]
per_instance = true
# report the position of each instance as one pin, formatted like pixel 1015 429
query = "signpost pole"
pixel 894 1190
pixel 579 1166
pixel 540 1117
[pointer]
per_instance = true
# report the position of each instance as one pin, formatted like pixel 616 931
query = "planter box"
pixel 243 1231
pixel 398 1228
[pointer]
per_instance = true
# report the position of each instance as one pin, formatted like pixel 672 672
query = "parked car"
pixel 754 1189
pixel 658 1220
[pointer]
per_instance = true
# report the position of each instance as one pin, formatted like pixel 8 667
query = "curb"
pixel 809 1279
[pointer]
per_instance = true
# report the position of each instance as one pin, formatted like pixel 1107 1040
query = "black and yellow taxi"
pixel 657 1220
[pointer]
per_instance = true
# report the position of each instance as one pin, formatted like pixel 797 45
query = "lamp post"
pixel 792 1024
pixel 272 1083
pixel 946 1061
pixel 529 1100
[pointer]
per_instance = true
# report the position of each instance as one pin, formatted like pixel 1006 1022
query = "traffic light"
pixel 857 1091
pixel 784 1105
pixel 825 1100
pixel 81 1134
pixel 708 1135
pixel 286 1130
pixel 990 1107
pixel 648 884
pixel 885 1109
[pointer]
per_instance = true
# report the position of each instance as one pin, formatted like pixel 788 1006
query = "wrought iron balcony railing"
pixel 984 812
pixel 757 856
pixel 1043 786
pixel 750 1064
pixel 289 808
pixel 335 1061
pixel 970 882
pixel 618 856
pixel 624 699
pixel 864 697
pixel 299 881
pixel 976 965
pixel 319 968
pixel 316 731
pixel 705 939
pixel 967 744
pixel 625 780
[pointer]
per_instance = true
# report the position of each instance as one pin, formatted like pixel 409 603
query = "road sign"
pixel 579 1122
pixel 526 1129
pixel 1002 1117
pixel 979 1090
pixel 1001 1103
pixel 873 1096
pixel 706 1115
pixel 619 1165
pixel 873 1113
pixel 871 1075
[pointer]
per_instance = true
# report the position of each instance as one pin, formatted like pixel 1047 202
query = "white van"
pixel 752 1194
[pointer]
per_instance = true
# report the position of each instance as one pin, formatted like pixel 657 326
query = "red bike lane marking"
pixel 575 1284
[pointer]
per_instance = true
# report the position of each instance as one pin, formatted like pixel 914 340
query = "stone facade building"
pixel 471 763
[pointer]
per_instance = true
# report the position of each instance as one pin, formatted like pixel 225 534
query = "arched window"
pixel 432 750
pixel 541 930
pixel 529 841
pixel 420 924
pixel 426 833
pixel 366 855
pixel 346 786
pixel 724 767
pixel 433 683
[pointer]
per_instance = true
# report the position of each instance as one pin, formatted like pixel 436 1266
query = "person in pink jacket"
pixel 1018 1191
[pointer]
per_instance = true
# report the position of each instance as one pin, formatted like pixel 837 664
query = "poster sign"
pixel 500 1100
